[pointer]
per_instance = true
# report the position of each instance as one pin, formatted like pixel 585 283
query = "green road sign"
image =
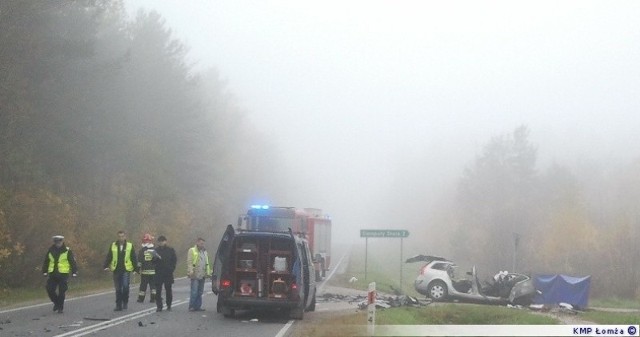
pixel 384 233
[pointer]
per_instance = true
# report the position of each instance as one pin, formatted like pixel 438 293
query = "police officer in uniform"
pixel 58 263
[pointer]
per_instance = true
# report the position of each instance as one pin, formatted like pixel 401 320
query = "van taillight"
pixel 225 283
pixel 423 269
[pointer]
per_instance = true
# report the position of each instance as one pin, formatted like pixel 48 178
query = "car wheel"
pixel 438 291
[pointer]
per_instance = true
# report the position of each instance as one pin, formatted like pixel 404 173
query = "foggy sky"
pixel 374 102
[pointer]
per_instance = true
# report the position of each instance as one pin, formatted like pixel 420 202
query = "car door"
pixel 222 255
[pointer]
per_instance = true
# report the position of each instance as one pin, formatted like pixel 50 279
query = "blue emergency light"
pixel 260 206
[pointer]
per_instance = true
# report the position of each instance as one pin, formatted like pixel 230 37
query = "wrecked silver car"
pixel 438 280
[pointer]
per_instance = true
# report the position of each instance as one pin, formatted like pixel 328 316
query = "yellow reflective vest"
pixel 128 264
pixel 196 256
pixel 64 267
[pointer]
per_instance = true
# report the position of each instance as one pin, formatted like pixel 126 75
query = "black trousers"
pixel 59 281
pixel 169 293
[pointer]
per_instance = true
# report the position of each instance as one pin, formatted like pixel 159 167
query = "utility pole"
pixel 516 242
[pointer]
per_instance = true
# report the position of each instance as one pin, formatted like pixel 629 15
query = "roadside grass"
pixel 615 302
pixel 606 317
pixel 460 314
pixel 447 314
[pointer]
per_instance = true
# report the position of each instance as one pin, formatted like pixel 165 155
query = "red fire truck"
pixel 310 223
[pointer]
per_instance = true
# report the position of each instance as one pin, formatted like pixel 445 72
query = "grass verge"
pixel 615 302
pixel 447 314
pixel 605 317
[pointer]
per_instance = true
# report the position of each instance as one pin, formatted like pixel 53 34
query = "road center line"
pixel 116 321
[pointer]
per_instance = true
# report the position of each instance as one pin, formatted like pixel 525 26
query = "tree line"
pixel 105 126
pixel 507 212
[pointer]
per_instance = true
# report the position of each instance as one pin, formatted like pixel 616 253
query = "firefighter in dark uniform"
pixel 147 269
pixel 58 263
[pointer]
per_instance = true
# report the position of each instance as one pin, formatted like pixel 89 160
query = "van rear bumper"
pixel 253 302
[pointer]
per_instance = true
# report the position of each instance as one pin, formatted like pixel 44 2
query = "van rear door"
pixel 221 257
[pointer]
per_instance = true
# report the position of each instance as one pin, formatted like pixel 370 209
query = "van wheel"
pixel 228 312
pixel 438 291
pixel 296 313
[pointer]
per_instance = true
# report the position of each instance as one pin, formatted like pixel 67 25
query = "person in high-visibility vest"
pixel 198 269
pixel 147 269
pixel 121 260
pixel 58 263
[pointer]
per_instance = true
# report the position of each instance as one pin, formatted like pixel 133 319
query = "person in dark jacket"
pixel 164 260
pixel 121 260
pixel 58 263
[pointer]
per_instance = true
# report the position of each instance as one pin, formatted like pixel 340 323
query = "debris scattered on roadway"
pixel 381 301
pixel 140 324
pixel 253 320
pixel 560 308
pixel 72 325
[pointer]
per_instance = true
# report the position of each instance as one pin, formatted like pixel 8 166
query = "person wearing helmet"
pixel 147 269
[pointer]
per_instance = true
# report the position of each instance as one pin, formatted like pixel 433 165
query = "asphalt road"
pixel 93 315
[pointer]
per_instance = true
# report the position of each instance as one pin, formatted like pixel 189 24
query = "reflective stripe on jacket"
pixel 146 261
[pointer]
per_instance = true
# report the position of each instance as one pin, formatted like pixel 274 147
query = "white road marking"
pixel 285 328
pixel 70 299
pixel 43 304
pixel 332 272
pixel 116 321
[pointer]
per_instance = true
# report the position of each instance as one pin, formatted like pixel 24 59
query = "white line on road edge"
pixel 334 270
pixel 117 321
pixel 70 299
pixel 284 329
pixel 43 304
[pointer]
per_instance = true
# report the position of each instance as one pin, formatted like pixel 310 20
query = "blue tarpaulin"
pixel 560 288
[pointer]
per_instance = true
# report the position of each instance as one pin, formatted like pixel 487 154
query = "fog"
pixel 377 107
